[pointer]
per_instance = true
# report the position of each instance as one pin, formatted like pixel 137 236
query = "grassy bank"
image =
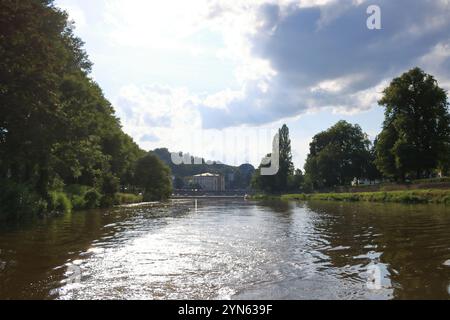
pixel 127 198
pixel 424 184
pixel 414 196
pixel 19 201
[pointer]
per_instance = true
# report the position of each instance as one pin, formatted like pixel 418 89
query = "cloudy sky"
pixel 216 77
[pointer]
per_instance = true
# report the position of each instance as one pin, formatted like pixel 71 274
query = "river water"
pixel 231 249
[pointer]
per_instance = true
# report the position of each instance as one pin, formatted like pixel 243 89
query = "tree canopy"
pixel 416 131
pixel 56 127
pixel 338 155
pixel 283 179
pixel 154 177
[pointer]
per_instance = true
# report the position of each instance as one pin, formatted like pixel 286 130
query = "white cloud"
pixel 288 57
pixel 159 116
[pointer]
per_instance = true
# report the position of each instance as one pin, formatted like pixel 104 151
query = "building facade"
pixel 210 181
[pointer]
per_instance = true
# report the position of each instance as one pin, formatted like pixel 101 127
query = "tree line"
pixel 61 144
pixel 414 143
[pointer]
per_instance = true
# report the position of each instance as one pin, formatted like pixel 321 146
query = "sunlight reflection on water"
pixel 232 249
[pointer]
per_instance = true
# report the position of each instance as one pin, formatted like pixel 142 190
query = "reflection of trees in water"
pixel 413 241
pixel 278 206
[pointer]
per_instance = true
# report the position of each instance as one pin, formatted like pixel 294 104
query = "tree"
pixel 37 48
pixel 263 182
pixel 57 129
pixel 154 177
pixel 416 129
pixel 372 172
pixel 337 156
pixel 286 165
pixel 179 183
pixel 280 181
pixel 296 181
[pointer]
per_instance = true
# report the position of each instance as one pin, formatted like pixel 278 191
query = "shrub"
pixel 76 189
pixel 111 184
pixel 18 201
pixel 127 198
pixel 92 199
pixel 78 202
pixel 59 202
pixel 107 201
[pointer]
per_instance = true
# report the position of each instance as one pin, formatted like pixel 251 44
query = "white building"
pixel 364 182
pixel 210 181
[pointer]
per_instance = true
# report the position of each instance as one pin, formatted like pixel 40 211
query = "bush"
pixel 78 202
pixel 92 199
pixel 107 201
pixel 83 197
pixel 111 184
pixel 59 202
pixel 127 198
pixel 18 201
pixel 76 189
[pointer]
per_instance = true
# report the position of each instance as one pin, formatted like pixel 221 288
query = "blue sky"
pixel 217 77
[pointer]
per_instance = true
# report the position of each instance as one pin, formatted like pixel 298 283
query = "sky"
pixel 217 78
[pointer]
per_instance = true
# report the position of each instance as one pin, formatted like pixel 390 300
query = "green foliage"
pixel 19 201
pixel 56 126
pixel 111 184
pixel 59 202
pixel 107 201
pixel 415 196
pixel 242 177
pixel 179 183
pixel 337 156
pixel 154 177
pixel 279 182
pixel 286 164
pixel 92 199
pixel 416 132
pixel 127 198
pixel 78 202
pixel 296 182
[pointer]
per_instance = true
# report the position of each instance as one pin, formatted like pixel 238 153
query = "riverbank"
pixel 414 196
pixel 70 198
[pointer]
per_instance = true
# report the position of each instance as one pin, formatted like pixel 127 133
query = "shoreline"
pixel 408 197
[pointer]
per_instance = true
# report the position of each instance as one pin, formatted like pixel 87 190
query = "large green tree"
pixel 154 177
pixel 286 165
pixel 56 127
pixel 337 156
pixel 37 48
pixel 416 129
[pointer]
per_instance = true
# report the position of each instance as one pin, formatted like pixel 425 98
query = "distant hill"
pixel 235 177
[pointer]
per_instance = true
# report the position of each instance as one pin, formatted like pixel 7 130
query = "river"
pixel 231 249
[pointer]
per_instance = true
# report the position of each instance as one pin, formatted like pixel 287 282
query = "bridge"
pixel 187 194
